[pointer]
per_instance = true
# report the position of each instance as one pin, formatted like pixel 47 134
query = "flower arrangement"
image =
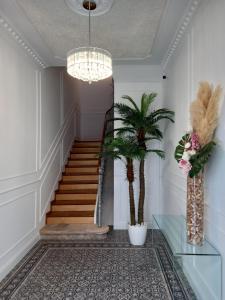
pixel 190 156
pixel 193 152
pixel 195 148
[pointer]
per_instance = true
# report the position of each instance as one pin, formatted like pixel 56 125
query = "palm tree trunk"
pixel 141 142
pixel 130 177
pixel 141 192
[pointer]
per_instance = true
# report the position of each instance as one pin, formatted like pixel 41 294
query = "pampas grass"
pixel 205 111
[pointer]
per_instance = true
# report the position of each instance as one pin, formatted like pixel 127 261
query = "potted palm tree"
pixel 143 124
pixel 125 149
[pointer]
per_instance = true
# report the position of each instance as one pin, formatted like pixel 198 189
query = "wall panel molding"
pixel 9 180
pixel 20 181
pixel 16 254
pixel 32 194
pixel 56 142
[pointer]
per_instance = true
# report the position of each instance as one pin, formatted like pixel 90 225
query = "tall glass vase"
pixel 195 209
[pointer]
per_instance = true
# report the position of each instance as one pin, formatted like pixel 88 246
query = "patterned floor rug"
pixel 110 269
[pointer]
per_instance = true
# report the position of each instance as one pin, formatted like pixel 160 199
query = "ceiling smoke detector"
pixel 98 7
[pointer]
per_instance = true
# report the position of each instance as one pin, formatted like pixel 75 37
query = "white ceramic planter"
pixel 137 234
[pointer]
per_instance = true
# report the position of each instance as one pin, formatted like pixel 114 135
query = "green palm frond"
pixel 152 130
pixel 165 117
pixel 139 121
pixel 132 101
pixel 116 119
pixel 160 111
pixel 122 131
pixel 160 114
pixel 160 153
pixel 123 109
pixel 146 101
pixel 120 147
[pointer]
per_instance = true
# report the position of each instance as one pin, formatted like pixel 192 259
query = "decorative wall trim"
pixel 27 243
pixel 23 44
pixel 56 142
pixel 34 224
pixel 192 7
pixel 33 178
pixel 42 212
pixel 37 105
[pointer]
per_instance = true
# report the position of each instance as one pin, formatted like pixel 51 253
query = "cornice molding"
pixel 21 42
pixel 192 7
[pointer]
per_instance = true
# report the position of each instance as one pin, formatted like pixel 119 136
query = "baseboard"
pixel 20 253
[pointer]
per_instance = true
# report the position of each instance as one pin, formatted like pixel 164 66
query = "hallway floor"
pixel 109 269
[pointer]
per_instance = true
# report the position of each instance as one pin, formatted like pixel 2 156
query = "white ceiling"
pixel 133 30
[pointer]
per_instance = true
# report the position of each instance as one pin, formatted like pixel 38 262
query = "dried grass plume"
pixel 205 111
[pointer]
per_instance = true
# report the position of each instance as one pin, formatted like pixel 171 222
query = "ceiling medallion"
pixel 89 63
pixel 102 7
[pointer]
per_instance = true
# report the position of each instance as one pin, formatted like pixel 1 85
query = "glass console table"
pixel 201 265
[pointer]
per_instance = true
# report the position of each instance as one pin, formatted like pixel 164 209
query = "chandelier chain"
pixel 89 63
pixel 89 25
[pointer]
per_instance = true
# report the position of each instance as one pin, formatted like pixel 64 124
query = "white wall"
pixel 200 56
pixel 37 111
pixel 94 100
pixel 134 81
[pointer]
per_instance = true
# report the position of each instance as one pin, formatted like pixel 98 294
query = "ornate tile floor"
pixel 110 269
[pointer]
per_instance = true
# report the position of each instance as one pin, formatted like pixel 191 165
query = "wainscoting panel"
pixel 34 139
pixel 17 226
pixel 18 96
pixel 48 183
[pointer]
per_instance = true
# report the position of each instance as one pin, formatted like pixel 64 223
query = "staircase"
pixel 76 195
pixel 73 209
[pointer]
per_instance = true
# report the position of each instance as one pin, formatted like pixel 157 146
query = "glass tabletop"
pixel 173 228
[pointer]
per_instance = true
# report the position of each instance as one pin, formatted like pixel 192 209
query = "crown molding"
pixel 21 42
pixel 185 21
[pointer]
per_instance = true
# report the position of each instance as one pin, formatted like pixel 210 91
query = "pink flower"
pixel 194 141
pixel 185 166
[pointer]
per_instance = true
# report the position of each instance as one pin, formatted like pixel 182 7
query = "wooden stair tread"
pixel 90 187
pixel 77 145
pixel 73 202
pixel 73 229
pixel 69 173
pixel 84 159
pixel 81 166
pixel 83 184
pixel 79 177
pixel 72 207
pixel 73 196
pixel 84 156
pixel 66 214
pixel 94 159
pixel 84 151
pixel 80 191
pixel 77 181
pixel 87 141
pixel 81 169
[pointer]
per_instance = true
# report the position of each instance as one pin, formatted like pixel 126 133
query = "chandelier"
pixel 89 63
